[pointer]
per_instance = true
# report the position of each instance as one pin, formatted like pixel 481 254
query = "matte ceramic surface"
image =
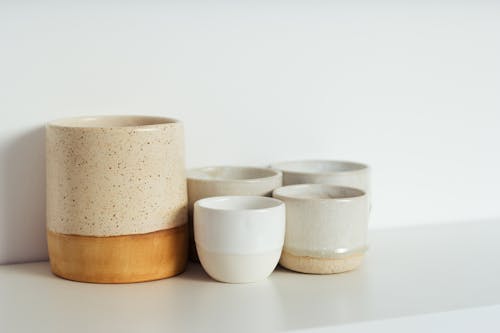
pixel 341 173
pixel 135 258
pixel 326 227
pixel 110 176
pixel 239 238
pixel 229 180
pixel 239 268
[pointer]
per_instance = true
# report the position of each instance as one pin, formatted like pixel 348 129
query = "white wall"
pixel 411 88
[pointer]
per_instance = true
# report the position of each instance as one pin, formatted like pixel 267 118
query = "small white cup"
pixel 326 227
pixel 239 238
pixel 227 180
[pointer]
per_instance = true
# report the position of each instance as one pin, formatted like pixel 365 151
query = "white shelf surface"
pixel 444 276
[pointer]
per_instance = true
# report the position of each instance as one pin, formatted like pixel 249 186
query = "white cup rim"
pixel 112 121
pixel 266 174
pixel 239 203
pixel 318 192
pixel 304 167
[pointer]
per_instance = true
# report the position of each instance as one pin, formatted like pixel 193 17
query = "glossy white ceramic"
pixel 239 238
pixel 326 227
pixel 341 173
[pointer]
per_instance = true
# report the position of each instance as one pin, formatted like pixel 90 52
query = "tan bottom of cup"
pixel 316 265
pixel 119 259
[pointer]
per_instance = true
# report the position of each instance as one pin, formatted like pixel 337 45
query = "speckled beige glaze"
pixel 109 176
pixel 116 198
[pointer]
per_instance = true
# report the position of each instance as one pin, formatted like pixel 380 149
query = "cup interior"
pixel 319 166
pixel 238 203
pixel 112 121
pixel 231 173
pixel 318 191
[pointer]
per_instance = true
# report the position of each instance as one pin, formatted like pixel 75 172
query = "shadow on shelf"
pixel 22 227
pixel 194 272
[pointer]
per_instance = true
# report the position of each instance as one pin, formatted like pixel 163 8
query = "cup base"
pixel 317 265
pixel 119 259
pixel 238 268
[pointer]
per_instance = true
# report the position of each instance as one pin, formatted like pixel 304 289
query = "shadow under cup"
pixel 239 238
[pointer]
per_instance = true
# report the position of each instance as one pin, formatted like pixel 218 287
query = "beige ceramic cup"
pixel 326 227
pixel 116 198
pixel 341 173
pixel 228 180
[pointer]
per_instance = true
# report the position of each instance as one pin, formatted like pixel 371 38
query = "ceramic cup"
pixel 326 227
pixel 341 173
pixel 228 180
pixel 116 198
pixel 239 238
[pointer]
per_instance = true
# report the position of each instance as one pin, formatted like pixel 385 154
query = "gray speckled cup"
pixel 116 198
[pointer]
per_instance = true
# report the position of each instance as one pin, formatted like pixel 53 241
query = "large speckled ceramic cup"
pixel 116 198
pixel 227 180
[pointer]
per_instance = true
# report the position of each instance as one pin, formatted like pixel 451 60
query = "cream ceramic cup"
pixel 116 198
pixel 239 238
pixel 326 227
pixel 228 180
pixel 341 173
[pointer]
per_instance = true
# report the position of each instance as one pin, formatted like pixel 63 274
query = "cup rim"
pixel 272 174
pixel 286 192
pixel 208 203
pixel 284 166
pixel 78 122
